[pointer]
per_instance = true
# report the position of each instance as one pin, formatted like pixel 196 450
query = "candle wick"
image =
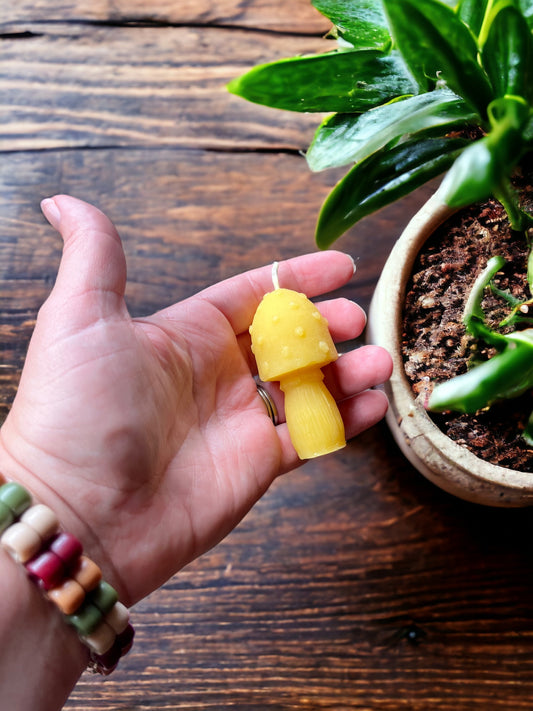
pixel 275 280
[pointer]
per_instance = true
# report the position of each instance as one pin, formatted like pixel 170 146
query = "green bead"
pixel 104 597
pixel 6 516
pixel 86 619
pixel 16 497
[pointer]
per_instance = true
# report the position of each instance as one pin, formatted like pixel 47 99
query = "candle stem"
pixel 313 418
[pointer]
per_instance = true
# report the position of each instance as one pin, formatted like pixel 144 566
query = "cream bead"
pixel 118 618
pixel 21 541
pixel 42 519
pixel 101 639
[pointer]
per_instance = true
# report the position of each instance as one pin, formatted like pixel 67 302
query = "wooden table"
pixel 354 583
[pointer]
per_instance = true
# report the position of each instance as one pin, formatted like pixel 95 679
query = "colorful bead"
pixel 47 569
pixel 86 573
pixel 125 639
pixel 6 516
pixel 68 596
pixel 101 639
pixel 42 519
pixel 118 618
pixel 66 547
pixel 104 596
pixel 71 580
pixel 16 497
pixel 106 663
pixel 21 541
pixel 86 619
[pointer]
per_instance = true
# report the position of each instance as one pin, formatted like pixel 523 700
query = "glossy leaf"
pixel 384 177
pixel 506 375
pixel 507 54
pixel 483 166
pixel 360 22
pixel 473 315
pixel 472 177
pixel 339 81
pixel 472 13
pixel 526 6
pixel 437 45
pixel 344 138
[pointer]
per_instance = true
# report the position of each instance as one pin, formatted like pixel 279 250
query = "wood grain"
pixel 354 583
pixel 80 85
pixel 296 17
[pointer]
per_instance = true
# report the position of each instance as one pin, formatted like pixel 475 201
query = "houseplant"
pixel 415 88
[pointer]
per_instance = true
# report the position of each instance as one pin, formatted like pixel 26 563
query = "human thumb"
pixel 93 265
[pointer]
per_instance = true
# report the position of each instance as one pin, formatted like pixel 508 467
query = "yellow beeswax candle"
pixel 291 343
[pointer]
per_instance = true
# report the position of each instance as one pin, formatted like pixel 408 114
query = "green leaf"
pixel 341 81
pixel 528 133
pixel 472 13
pixel 505 375
pixel 384 177
pixel 483 167
pixel 473 315
pixel 526 6
pixel 471 178
pixel 437 45
pixel 360 22
pixel 507 54
pixel 345 138
pixel 527 434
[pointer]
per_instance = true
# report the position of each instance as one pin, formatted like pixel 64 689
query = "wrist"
pixel 53 560
pixel 34 637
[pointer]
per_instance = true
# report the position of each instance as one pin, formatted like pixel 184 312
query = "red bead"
pixel 106 671
pixel 108 661
pixel 125 640
pixel 67 547
pixel 47 569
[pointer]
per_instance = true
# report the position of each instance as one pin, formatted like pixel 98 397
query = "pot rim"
pixel 449 465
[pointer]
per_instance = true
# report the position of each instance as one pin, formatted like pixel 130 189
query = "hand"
pixel 147 436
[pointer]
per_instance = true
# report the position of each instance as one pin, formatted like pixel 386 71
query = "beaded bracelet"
pixel 54 560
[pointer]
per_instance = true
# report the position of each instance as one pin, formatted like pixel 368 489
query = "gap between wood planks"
pixel 144 22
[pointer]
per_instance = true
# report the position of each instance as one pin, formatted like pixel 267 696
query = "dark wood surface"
pixel 354 583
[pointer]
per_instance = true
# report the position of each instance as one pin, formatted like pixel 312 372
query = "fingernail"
pixel 354 266
pixel 51 212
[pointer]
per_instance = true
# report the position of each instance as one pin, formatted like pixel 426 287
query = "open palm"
pixel 147 436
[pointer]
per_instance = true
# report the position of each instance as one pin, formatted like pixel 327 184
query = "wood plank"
pixel 84 85
pixel 296 17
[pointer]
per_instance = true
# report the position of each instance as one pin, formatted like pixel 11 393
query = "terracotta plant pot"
pixel 444 462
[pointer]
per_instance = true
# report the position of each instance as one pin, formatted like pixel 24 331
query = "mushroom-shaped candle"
pixel 291 343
